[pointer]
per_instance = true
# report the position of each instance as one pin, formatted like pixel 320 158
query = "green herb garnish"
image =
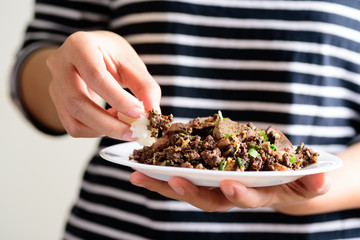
pixel 228 136
pixel 220 115
pixel 241 162
pixel 265 137
pixel 292 158
pixel 185 135
pixel 272 146
pixel 299 148
pixel 253 153
pixel 222 165
pixel 254 146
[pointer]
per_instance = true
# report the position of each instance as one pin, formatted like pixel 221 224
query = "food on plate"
pixel 146 128
pixel 218 143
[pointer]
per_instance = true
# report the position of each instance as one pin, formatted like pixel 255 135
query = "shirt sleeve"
pixel 52 23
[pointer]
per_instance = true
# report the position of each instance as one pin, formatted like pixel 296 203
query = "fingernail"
pixel 325 187
pixel 228 191
pixel 157 108
pixel 179 190
pixel 128 136
pixel 135 112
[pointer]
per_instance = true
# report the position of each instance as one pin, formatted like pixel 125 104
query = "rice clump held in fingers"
pixel 150 126
pixel 140 131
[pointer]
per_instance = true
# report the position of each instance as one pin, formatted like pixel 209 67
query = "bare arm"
pixel 34 80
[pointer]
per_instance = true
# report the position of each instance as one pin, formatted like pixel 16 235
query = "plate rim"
pixel 105 154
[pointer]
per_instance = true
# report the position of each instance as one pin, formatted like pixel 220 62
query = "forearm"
pixel 34 82
pixel 344 192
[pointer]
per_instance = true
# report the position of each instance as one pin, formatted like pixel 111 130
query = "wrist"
pixel 33 85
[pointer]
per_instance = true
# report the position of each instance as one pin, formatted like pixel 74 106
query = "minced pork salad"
pixel 218 143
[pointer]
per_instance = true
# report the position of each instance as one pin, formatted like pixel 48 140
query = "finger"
pixel 72 126
pixel 141 180
pixel 313 186
pixel 181 189
pixel 303 189
pixel 95 74
pixel 124 118
pixel 207 199
pixel 143 85
pixel 83 109
pixel 99 79
pixel 316 184
pixel 147 90
pixel 76 103
pixel 135 76
pixel 244 197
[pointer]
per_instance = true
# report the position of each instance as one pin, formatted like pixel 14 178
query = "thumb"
pixel 150 95
pixel 317 184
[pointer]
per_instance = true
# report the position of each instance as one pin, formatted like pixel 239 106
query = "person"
pixel 293 64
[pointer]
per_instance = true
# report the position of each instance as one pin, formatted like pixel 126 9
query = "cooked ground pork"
pixel 219 143
pixel 158 122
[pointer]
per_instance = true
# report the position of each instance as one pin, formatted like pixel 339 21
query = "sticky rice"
pixel 140 131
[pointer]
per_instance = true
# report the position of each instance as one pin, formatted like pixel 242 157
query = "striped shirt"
pixel 292 64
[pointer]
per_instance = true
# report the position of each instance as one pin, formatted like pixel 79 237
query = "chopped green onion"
pixel 272 146
pixel 228 136
pixel 252 152
pixel 254 146
pixel 263 134
pixel 292 158
pixel 299 148
pixel 184 135
pixel 236 149
pixel 220 115
pixel 241 162
pixel 222 165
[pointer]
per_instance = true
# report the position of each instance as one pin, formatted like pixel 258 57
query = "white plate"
pixel 120 154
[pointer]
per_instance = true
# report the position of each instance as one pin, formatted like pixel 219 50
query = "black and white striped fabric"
pixel 293 64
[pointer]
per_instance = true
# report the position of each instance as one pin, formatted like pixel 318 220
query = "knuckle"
pixel 50 61
pixel 52 91
pixel 73 130
pixel 71 126
pixel 75 107
pixel 213 207
pixel 53 61
pixel 210 210
pixel 98 77
pixel 157 89
pixel 148 88
pixel 76 37
pixel 79 42
pixel 112 131
pixel 251 205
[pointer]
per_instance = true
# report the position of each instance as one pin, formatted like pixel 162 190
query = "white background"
pixel 39 174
